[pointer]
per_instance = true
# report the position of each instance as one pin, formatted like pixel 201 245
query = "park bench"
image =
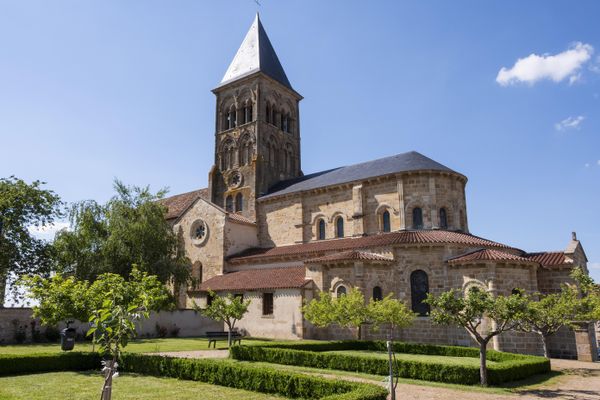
pixel 214 336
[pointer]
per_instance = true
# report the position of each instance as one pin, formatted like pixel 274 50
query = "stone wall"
pixel 293 218
pixel 188 322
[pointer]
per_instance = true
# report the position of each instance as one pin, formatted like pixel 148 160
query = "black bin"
pixel 67 339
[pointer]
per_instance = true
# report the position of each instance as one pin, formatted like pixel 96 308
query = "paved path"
pixel 580 382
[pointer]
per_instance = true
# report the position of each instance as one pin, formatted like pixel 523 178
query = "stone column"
pixel 585 340
pixel 433 206
pixel 401 206
pixel 358 228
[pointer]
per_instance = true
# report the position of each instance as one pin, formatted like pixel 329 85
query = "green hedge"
pixel 217 372
pixel 42 362
pixel 248 377
pixel 509 367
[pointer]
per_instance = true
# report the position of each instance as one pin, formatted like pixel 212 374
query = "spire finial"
pixel 574 235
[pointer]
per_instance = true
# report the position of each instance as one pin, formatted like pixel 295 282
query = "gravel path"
pixel 580 382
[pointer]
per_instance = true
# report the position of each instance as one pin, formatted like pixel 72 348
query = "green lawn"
pixel 418 357
pixel 83 386
pixel 138 346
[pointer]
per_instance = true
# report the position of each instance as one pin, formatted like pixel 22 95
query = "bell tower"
pixel 257 129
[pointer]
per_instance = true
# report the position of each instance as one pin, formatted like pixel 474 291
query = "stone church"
pixel 266 231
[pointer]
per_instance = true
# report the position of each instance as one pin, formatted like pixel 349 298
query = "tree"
pixel 123 303
pixel 546 315
pixel 348 310
pixel 469 311
pixel 129 229
pixel 58 298
pixel 589 296
pixel 228 309
pixel 22 206
pixel 394 313
pixel 390 311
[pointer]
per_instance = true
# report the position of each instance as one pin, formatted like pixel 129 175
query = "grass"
pixel 136 346
pixel 470 361
pixel 87 385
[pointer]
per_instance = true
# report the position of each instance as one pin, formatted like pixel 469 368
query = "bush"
pixel 31 363
pixel 257 379
pixel 510 367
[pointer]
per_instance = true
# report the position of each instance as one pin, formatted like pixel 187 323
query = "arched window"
pixel 377 293
pixel 229 203
pixel 247 113
pixel 386 225
pixel 321 229
pixel 417 218
pixel 339 227
pixel 341 291
pixel 268 113
pixel 239 202
pixel 419 288
pixel 231 118
pixel 443 218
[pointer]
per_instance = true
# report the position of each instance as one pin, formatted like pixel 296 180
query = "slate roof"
pixel 549 258
pixel 256 54
pixel 321 247
pixel 405 162
pixel 240 218
pixel 352 255
pixel 487 255
pixel 180 203
pixel 257 279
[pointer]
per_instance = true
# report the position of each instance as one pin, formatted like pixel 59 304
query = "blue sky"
pixel 94 90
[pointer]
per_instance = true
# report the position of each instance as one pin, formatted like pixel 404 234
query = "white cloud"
pixel 587 164
pixel 556 67
pixel 569 123
pixel 48 231
pixel 599 162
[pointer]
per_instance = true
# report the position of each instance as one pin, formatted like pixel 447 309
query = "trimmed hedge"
pixel 217 372
pixel 47 362
pixel 509 367
pixel 248 377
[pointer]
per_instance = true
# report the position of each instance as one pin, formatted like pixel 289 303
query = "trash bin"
pixel 67 339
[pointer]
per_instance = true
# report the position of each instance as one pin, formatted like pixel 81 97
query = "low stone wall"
pixel 17 323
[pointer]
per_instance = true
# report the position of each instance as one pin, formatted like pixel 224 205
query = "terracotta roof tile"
pixel 240 218
pixel 549 258
pixel 258 279
pixel 351 255
pixel 487 255
pixel 317 248
pixel 179 204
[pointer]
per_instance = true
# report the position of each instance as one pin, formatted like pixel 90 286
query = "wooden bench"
pixel 214 336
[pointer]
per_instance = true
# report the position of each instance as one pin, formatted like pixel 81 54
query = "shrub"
pixel 52 334
pixel 248 377
pixel 510 367
pixel 31 363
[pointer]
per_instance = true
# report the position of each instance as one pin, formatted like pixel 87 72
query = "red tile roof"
pixel 240 218
pixel 549 258
pixel 180 203
pixel 352 255
pixel 383 239
pixel 487 255
pixel 258 279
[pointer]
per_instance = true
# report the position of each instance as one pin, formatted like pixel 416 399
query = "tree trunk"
pixel 229 335
pixel 483 363
pixel 545 345
pixel 3 280
pixel 107 387
pixel 359 332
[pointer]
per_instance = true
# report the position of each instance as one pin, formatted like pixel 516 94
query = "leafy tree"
pixel 546 315
pixel 348 310
pixel 390 311
pixel 113 322
pixel 589 296
pixel 22 206
pixel 228 309
pixel 58 298
pixel 129 229
pixel 469 312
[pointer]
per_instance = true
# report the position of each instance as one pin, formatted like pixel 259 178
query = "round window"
pixel 199 232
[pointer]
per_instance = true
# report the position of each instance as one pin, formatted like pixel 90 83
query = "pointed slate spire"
pixel 256 54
